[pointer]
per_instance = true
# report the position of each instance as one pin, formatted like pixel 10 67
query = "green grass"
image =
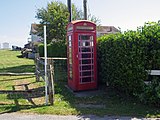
pixel 65 101
pixel 118 105
pixel 11 61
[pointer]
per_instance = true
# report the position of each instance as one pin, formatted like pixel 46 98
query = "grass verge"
pixel 66 103
pixel 10 61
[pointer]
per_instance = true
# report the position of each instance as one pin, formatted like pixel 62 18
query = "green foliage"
pixel 56 17
pixel 78 14
pixel 124 59
pixel 151 93
pixel 54 49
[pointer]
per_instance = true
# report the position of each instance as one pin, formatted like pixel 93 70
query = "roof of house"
pixel 5 43
pixel 106 29
pixel 34 28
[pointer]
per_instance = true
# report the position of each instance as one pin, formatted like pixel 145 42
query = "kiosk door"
pixel 86 58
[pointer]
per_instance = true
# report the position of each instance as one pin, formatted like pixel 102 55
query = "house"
pixel 31 48
pixel 5 45
pixel 104 30
pixel 35 34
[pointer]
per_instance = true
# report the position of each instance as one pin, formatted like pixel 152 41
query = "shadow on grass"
pixel 116 104
pixel 15 108
pixel 20 78
pixel 19 69
pixel 17 95
pixel 19 56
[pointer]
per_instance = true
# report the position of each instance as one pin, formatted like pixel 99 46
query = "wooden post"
pixel 50 82
pixel 85 9
pixel 70 9
pixel 37 67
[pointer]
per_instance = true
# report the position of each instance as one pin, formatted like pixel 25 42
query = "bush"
pixel 55 49
pixel 151 93
pixel 124 58
pixel 121 61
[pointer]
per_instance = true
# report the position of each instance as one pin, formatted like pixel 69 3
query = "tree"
pixel 55 16
pixel 78 14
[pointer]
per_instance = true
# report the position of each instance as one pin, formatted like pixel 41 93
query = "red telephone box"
pixel 81 53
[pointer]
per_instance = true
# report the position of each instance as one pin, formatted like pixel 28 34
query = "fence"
pixel 56 70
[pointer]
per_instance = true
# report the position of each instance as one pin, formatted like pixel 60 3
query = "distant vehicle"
pixel 16 48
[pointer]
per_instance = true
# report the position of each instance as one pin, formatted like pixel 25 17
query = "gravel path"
pixel 18 116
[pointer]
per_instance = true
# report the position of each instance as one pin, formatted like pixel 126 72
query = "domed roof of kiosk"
pixel 78 21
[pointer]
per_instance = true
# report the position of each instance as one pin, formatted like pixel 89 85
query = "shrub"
pixel 124 58
pixel 54 49
pixel 121 61
pixel 151 93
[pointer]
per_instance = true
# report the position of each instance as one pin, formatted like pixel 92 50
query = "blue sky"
pixel 17 15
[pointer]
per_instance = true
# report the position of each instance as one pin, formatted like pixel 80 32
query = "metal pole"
pixel 85 9
pixel 70 9
pixel 45 65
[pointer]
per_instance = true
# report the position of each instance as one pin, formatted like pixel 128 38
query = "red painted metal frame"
pixel 75 29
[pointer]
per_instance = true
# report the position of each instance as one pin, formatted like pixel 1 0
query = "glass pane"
pixel 86 61
pixel 85 37
pixel 69 38
pixel 88 67
pixel 69 41
pixel 70 71
pixel 86 50
pixel 83 44
pixel 70 55
pixel 91 37
pixel 70 61
pixel 87 79
pixel 88 73
pixel 87 43
pixel 92 43
pixel 86 55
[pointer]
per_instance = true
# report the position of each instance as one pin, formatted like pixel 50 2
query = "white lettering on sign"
pixel 84 28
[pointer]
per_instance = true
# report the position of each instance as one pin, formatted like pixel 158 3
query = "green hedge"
pixel 124 58
pixel 55 49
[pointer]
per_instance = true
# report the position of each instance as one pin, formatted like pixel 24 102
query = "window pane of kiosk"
pixel 87 43
pixel 87 73
pixel 92 43
pixel 85 37
pixel 87 79
pixel 88 67
pixel 86 61
pixel 69 41
pixel 86 49
pixel 86 55
pixel 86 58
pixel 70 56
pixel 91 37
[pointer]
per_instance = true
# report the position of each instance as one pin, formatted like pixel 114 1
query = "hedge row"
pixel 124 58
pixel 55 49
